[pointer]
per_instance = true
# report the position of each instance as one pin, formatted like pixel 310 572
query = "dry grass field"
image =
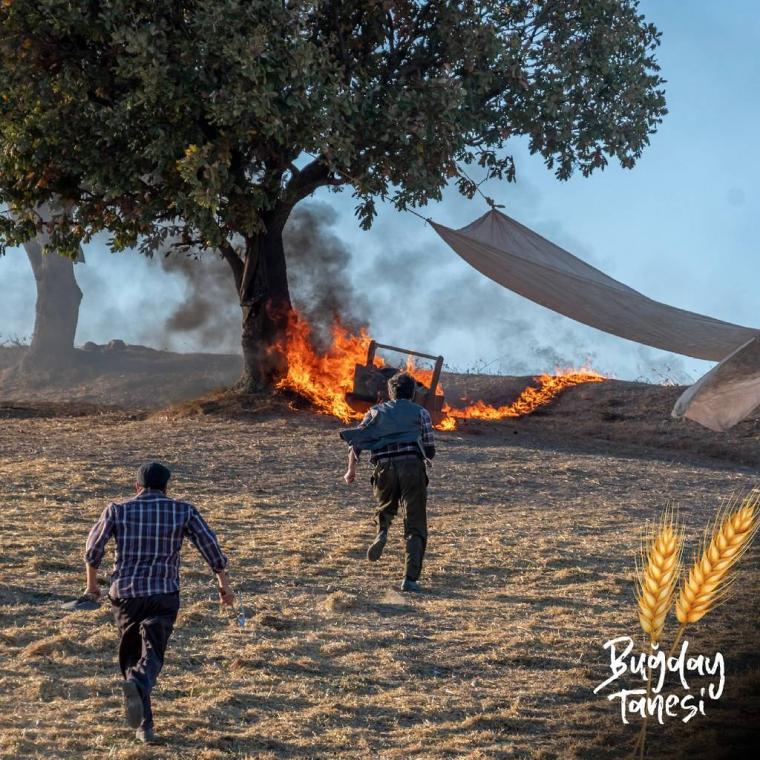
pixel 534 534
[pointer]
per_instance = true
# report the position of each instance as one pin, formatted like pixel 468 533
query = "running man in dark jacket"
pixel 144 593
pixel 399 436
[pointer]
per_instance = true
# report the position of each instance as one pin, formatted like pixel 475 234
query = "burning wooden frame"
pixel 371 383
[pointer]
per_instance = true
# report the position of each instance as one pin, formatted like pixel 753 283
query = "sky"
pixel 682 227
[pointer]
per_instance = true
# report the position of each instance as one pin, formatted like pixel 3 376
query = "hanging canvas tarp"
pixel 728 393
pixel 519 259
pixel 523 261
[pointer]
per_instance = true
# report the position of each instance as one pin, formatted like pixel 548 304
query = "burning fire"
pixel 325 378
pixel 531 398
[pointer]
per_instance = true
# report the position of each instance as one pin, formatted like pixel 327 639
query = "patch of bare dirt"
pixel 24 410
pixel 128 376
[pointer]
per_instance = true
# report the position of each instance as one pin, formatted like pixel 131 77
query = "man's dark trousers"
pixel 403 481
pixel 145 624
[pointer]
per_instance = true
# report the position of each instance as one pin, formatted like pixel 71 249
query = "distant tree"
pixel 56 312
pixel 180 123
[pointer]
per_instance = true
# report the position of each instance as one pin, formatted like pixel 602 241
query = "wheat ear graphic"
pixel 711 574
pixel 657 580
pixel 707 583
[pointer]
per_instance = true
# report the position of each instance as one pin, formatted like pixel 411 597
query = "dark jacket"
pixel 391 422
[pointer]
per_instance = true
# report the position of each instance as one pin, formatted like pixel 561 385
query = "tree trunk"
pixel 266 306
pixel 57 309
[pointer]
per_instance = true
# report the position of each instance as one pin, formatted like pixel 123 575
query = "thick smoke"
pixel 318 262
pixel 318 271
pixel 208 316
pixel 419 296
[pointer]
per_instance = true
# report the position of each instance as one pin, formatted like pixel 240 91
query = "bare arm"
pixel 92 581
pixel 350 475
pixel 226 594
pixel 99 536
pixel 204 539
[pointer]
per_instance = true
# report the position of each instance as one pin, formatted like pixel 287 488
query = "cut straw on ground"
pixel 528 573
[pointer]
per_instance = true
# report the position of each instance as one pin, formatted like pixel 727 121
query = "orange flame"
pixel 325 378
pixel 447 424
pixel 530 399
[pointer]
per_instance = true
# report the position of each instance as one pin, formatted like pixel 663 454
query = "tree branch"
pixel 313 176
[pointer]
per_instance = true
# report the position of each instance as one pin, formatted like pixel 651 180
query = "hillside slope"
pixel 141 380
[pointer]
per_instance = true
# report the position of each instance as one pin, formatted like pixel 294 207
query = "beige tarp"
pixel 532 266
pixel 519 259
pixel 728 393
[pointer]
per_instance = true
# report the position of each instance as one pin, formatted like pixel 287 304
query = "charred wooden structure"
pixel 371 382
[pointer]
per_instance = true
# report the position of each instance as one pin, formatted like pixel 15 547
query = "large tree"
pixel 203 123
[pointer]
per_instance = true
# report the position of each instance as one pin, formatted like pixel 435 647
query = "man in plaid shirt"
pixel 399 436
pixel 144 593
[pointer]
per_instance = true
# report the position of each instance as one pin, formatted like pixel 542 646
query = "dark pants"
pixel 145 624
pixel 403 482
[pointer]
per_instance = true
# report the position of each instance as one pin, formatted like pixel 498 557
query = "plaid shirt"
pixel 148 531
pixel 404 449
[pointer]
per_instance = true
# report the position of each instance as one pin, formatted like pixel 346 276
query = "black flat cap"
pixel 153 475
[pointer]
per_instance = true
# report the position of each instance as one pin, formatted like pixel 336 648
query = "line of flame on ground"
pixel 325 378
pixel 530 399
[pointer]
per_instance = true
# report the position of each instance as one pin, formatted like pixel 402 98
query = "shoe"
pixel 145 735
pixel 410 585
pixel 133 704
pixel 375 550
pixel 85 602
